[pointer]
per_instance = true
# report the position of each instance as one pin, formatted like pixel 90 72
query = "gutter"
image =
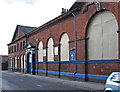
pixel 53 21
pixel 16 40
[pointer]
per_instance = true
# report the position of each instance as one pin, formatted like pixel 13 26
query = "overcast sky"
pixel 26 12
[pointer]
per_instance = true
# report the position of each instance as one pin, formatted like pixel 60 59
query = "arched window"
pixel 21 62
pixel 21 46
pixel 64 48
pixel 16 62
pixel 15 48
pixel 24 61
pixel 9 50
pixel 103 38
pixel 50 52
pixel 40 52
pixel 12 49
pixel 18 47
pixel 11 62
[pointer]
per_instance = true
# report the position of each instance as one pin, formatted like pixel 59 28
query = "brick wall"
pixel 66 25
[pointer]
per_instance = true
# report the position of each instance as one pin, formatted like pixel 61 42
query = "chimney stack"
pixel 63 11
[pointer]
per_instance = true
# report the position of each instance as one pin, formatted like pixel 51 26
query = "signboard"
pixel 44 53
pixel 56 51
pixel 72 55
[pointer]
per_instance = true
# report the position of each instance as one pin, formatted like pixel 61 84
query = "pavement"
pixel 77 84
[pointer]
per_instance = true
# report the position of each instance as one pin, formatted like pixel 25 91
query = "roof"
pixel 29 30
pixel 26 29
pixel 77 5
pixel 32 45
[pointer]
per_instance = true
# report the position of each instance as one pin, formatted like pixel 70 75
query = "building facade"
pixel 81 43
pixel 3 62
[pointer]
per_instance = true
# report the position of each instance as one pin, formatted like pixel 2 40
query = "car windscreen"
pixel 115 78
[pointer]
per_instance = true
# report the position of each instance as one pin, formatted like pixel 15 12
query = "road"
pixel 17 81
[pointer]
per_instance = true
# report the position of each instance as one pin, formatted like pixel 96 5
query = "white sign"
pixel 44 53
pixel 56 50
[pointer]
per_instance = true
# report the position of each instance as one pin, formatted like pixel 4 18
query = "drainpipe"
pixel 59 61
pixel 26 53
pixel 86 63
pixel 75 46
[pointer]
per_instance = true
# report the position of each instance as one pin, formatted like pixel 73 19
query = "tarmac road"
pixel 16 81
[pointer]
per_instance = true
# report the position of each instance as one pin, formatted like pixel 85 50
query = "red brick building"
pixel 81 43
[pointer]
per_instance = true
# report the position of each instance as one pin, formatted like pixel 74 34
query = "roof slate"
pixel 26 29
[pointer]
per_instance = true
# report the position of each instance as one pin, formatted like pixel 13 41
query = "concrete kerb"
pixel 76 84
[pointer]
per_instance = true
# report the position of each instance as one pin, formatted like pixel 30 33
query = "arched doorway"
pixel 64 48
pixel 30 57
pixel 103 38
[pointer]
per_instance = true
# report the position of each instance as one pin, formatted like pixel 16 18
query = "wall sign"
pixel 56 51
pixel 72 55
pixel 44 52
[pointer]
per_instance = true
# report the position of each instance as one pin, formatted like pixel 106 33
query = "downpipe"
pixel 75 73
pixel 75 47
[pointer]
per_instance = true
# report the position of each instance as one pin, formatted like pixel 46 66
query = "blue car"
pixel 113 83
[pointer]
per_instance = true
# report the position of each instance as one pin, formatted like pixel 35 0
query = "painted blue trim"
pixel 103 61
pixel 67 74
pixel 80 75
pixel 88 61
pixel 40 62
pixel 61 62
pixel 42 71
pixel 10 68
pixel 23 69
pixel 53 72
pixel 17 68
pixel 102 77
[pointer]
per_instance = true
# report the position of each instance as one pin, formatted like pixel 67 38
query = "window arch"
pixel 24 61
pixel 23 44
pixel 64 48
pixel 21 61
pixel 40 52
pixel 11 62
pixel 15 48
pixel 20 45
pixel 103 37
pixel 50 51
pixel 16 62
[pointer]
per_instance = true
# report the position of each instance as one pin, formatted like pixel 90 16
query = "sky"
pixel 28 13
